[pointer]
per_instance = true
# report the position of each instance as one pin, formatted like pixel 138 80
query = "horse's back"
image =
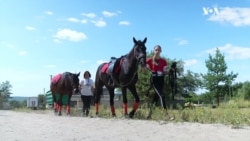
pixel 63 85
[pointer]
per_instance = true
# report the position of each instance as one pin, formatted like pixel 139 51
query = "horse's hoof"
pixel 113 115
pixel 82 115
pixel 131 114
pixel 59 114
pixel 126 115
pixel 149 117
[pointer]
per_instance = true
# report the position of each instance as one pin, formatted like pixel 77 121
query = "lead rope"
pixel 157 92
pixel 130 79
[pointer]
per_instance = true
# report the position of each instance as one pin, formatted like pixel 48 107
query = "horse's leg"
pixel 98 92
pixel 137 100
pixel 55 105
pixel 60 105
pixel 68 104
pixel 125 102
pixel 111 101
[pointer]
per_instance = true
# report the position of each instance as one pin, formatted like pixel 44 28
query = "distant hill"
pixel 18 98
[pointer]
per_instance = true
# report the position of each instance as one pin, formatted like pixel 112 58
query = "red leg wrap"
pixel 125 108
pixel 55 106
pixel 59 108
pixel 135 107
pixel 96 107
pixel 113 109
pixel 68 109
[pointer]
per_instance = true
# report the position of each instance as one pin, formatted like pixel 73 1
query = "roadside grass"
pixel 235 113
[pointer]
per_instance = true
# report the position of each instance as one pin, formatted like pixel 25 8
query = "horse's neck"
pixel 131 62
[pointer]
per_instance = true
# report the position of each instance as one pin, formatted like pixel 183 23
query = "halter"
pixel 140 55
pixel 73 84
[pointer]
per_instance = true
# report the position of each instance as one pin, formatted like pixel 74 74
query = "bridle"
pixel 73 83
pixel 140 55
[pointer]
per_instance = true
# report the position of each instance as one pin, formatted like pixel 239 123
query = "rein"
pixel 130 79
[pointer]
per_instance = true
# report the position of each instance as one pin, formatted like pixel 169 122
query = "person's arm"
pixel 147 67
pixel 81 84
pixel 165 71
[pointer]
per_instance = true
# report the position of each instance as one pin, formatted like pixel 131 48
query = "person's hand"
pixel 165 72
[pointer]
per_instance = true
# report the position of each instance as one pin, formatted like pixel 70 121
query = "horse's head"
pixel 75 79
pixel 140 51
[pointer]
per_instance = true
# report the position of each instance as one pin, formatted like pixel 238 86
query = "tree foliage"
pixel 190 82
pixel 244 91
pixel 15 104
pixel 185 83
pixel 41 101
pixel 216 80
pixel 5 91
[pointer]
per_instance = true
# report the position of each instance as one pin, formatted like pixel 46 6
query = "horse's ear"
pixel 134 40
pixel 145 40
pixel 78 74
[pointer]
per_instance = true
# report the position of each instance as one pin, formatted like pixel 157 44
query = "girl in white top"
pixel 87 88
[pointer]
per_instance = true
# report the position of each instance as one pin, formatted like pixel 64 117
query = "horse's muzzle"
pixel 142 61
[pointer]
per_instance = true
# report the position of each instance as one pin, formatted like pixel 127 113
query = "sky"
pixel 41 38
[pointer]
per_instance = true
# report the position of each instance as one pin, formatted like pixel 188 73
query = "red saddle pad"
pixel 56 78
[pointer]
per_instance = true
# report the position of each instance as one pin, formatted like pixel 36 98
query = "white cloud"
pixel 51 66
pixel 31 28
pixel 124 23
pixel 84 21
pixel 48 12
pixel 235 52
pixel 75 20
pixel 8 45
pixel 84 61
pixel 108 14
pixel 232 52
pixel 235 16
pixel 57 40
pixel 182 42
pixel 71 35
pixel 22 53
pixel 89 15
pixel 99 23
pixel 191 62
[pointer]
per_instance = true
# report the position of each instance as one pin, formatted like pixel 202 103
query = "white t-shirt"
pixel 86 86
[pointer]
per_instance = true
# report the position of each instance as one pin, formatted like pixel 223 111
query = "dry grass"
pixel 235 113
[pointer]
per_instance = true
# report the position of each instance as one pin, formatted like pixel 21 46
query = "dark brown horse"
pixel 62 85
pixel 122 72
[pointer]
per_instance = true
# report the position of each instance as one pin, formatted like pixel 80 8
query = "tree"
pixel 143 83
pixel 190 82
pixel 244 92
pixel 216 78
pixel 41 101
pixel 15 104
pixel 185 83
pixel 5 92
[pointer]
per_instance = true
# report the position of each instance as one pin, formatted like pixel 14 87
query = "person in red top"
pixel 158 67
